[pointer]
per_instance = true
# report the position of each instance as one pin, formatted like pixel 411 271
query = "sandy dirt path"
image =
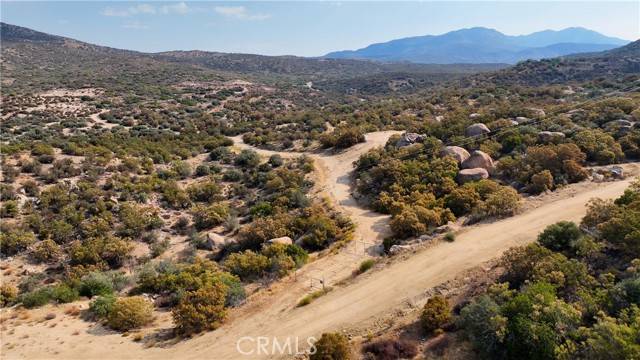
pixel 273 313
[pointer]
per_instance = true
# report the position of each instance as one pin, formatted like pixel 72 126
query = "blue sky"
pixel 306 28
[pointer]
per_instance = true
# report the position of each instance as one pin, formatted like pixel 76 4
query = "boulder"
pixel 618 123
pixel 474 116
pixel 478 159
pixel 396 249
pixel 457 152
pixel 617 172
pixel 281 240
pixel 550 136
pixel 407 139
pixel 623 130
pixel 475 174
pixel 522 119
pixel 216 241
pixel 477 129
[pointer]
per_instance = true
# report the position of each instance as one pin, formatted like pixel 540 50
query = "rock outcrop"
pixel 216 241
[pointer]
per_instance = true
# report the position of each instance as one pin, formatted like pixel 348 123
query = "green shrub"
pixel 332 346
pixel 13 241
pixel 309 298
pixel 206 217
pixel 95 284
pixel 101 306
pixel 559 236
pixel 47 251
pixel 9 209
pixel 63 294
pixel 36 298
pixel 248 158
pixel 435 313
pixel 130 313
pixel 366 265
pixel 450 237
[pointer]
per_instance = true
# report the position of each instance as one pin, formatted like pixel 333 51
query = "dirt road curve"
pixel 274 314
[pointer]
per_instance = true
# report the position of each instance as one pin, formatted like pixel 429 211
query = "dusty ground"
pixel 357 306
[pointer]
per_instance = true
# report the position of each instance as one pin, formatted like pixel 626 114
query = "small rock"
pixel 281 240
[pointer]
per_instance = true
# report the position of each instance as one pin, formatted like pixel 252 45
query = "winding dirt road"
pixel 272 313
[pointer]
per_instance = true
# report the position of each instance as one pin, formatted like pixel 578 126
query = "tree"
pixel 435 313
pixel 332 346
pixel 201 310
pixel 484 325
pixel 130 313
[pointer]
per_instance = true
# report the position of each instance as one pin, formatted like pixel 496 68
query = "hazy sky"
pixel 308 28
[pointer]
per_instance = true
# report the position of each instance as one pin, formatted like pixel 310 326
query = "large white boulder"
pixel 457 152
pixel 478 159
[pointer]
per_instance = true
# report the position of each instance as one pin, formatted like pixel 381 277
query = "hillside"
pixel 482 45
pixel 617 63
pixel 58 61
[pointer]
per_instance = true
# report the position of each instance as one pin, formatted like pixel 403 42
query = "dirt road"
pixel 273 313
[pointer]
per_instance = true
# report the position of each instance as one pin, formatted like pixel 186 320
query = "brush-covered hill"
pixel 616 64
pixel 33 59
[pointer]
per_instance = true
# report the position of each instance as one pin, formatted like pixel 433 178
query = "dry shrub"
pixel 389 349
pixel 130 313
pixel 72 311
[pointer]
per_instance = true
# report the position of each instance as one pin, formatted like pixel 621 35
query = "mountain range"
pixel 483 45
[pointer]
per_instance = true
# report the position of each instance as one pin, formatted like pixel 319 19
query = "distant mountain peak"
pixel 484 45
